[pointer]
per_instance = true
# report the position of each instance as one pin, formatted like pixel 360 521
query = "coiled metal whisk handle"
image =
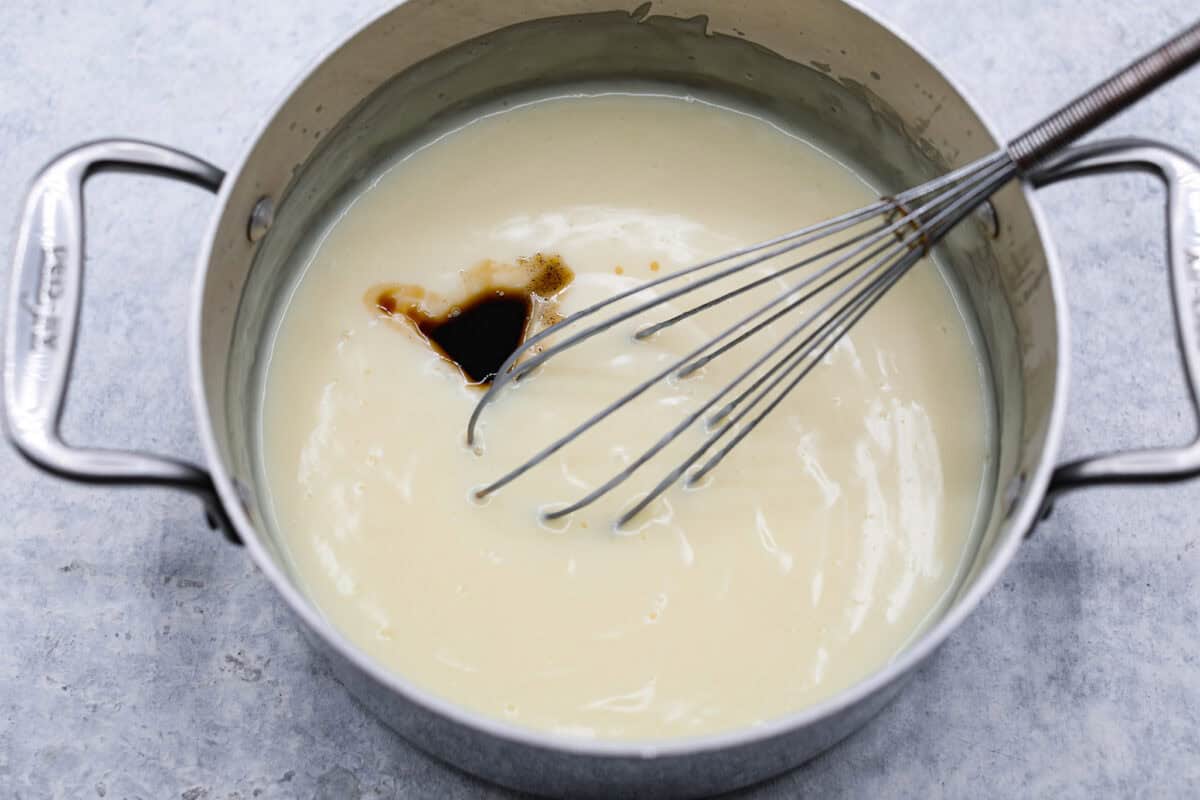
pixel 1106 99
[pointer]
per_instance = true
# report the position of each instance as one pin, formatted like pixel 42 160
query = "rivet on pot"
pixel 261 218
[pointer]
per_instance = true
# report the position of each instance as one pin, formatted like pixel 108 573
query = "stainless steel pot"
pixel 823 64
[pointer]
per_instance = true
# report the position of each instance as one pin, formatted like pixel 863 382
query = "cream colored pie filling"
pixel 804 563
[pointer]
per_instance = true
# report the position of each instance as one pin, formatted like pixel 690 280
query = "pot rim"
pixel 1020 521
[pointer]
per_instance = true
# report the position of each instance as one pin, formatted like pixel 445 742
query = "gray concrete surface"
pixel 140 656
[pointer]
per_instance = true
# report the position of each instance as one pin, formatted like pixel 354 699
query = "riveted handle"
pixel 1180 174
pixel 43 319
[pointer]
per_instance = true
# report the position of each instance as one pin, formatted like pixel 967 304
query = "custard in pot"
pixel 806 561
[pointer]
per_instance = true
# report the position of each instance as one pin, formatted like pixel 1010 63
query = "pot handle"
pixel 43 319
pixel 1180 174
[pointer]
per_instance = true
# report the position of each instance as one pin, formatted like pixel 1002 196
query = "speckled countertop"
pixel 143 657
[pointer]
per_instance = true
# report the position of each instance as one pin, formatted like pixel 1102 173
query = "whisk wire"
pixel 507 372
pixel 510 371
pixel 860 269
pixel 720 426
pixel 829 333
pixel 527 366
pixel 865 301
pixel 795 356
pixel 920 233
pixel 881 238
pixel 650 330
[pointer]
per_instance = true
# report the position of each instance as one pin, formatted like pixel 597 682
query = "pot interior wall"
pixel 836 76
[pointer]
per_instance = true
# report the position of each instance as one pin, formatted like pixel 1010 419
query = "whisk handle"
pixel 1107 99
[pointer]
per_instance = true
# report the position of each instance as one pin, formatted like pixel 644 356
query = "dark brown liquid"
pixel 480 332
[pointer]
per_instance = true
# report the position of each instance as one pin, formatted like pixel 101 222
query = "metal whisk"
pixel 862 254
